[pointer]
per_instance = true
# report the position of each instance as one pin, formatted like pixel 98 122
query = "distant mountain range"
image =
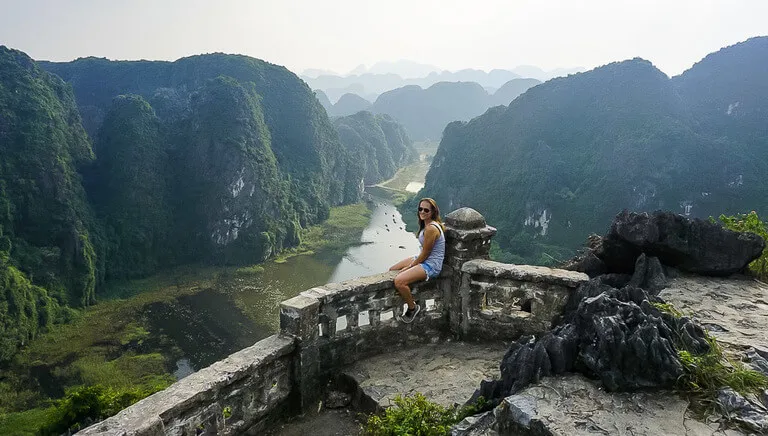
pixel 425 112
pixel 386 76
pixel 560 161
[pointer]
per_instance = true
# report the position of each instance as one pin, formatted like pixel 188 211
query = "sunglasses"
pixel 424 209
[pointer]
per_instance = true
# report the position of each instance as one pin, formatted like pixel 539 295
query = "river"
pixel 236 312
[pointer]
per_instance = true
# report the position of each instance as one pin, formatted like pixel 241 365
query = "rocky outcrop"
pixel 574 405
pixel 692 245
pixel 616 329
pixel 616 335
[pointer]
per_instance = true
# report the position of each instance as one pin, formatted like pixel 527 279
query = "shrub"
pixel 417 416
pixel 706 373
pixel 87 404
pixel 750 222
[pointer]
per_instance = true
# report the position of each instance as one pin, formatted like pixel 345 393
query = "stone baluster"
pixel 299 318
pixel 467 237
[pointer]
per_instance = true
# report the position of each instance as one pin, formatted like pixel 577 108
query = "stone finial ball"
pixel 465 218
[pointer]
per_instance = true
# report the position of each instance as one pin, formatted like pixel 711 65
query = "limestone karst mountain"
pixel 568 153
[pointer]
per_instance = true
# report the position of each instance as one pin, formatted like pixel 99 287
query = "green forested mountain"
pixel 128 188
pixel 304 141
pixel 426 112
pixel 349 104
pixel 564 157
pixel 323 99
pixel 727 91
pixel 228 189
pixel 47 251
pixel 377 143
pixel 240 152
pixel 212 158
pixel 510 90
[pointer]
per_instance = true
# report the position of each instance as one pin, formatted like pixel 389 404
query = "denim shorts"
pixel 428 269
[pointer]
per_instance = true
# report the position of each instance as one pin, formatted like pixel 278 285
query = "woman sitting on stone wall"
pixel 428 263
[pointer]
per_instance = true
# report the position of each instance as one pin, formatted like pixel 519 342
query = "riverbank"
pixel 151 331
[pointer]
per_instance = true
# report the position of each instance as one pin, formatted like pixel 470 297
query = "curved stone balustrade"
pixel 328 327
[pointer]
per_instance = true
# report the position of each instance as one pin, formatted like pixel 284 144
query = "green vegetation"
pixel 395 196
pixel 249 270
pixel 750 222
pixel 706 373
pixel 426 112
pixel 213 159
pixel 110 345
pixel 47 258
pixel 376 143
pixel 348 104
pixel 414 172
pixel 85 405
pixel 341 230
pixel 564 157
pixel 668 308
pixel 417 416
pixel 127 186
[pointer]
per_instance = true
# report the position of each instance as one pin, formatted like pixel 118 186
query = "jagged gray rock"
pixel 692 245
pixel 615 335
pixel 737 408
pixel 572 405
pixel 687 244
pixel 649 274
pixel 476 425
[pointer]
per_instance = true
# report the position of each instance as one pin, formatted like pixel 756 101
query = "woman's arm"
pixel 430 236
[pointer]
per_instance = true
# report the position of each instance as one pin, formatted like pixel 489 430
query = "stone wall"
pixel 255 384
pixel 503 301
pixel 340 323
pixel 329 327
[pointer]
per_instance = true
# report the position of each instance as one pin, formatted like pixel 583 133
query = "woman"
pixel 428 263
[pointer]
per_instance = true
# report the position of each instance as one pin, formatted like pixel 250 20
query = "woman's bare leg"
pixel 405 278
pixel 402 264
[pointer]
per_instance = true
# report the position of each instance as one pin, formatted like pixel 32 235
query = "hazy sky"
pixel 341 34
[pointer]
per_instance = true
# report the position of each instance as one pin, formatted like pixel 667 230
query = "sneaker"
pixel 410 314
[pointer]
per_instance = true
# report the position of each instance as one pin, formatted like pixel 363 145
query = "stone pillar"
pixel 467 237
pixel 299 318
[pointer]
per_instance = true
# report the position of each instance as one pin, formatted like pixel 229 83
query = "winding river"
pixel 238 311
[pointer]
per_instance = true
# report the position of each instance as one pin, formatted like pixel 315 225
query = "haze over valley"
pixel 171 165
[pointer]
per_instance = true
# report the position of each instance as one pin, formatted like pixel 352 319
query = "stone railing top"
pixel 528 273
pixel 146 416
pixel 465 218
pixel 329 291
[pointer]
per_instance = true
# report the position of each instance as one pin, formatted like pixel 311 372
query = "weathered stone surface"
pixel 477 425
pixel 649 274
pixel 733 310
pixel 756 361
pixel 465 218
pixel 336 400
pixel 587 263
pixel 573 405
pixel 254 383
pixel 613 334
pixel 505 308
pixel 333 422
pixel 446 372
pixel 527 273
pixel 299 317
pixel 687 244
pixel 736 407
